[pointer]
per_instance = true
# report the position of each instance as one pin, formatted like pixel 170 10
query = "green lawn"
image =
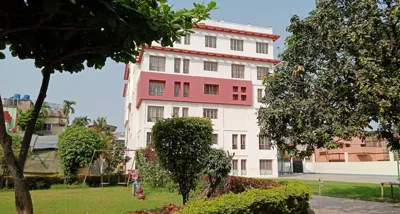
pixel 118 200
pixel 91 200
pixel 361 191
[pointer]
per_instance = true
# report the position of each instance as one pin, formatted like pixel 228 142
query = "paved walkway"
pixel 344 178
pixel 329 205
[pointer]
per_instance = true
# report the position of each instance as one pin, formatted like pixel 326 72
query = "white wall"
pixel 358 168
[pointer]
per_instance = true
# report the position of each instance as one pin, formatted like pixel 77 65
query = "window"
pixel 185 112
pixel 243 89
pixel 262 72
pixel 238 71
pixel 155 113
pixel 187 39
pixel 243 167
pixel 215 139
pixel 262 48
pixel 175 111
pixel 236 45
pixel 264 143
pixel 177 89
pixel 243 97
pixel 177 65
pixel 210 66
pixel 186 63
pixel 243 141
pixel 234 141
pixel 156 88
pixel 157 63
pixel 235 97
pixel 46 127
pixel 211 42
pixel 234 167
pixel 265 167
pixel 210 113
pixel 148 138
pixel 259 95
pixel 211 89
pixel 186 89
pixel 235 89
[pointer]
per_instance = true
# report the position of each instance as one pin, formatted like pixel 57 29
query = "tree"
pixel 339 74
pixel 182 145
pixel 16 146
pixel 25 116
pixel 219 164
pixel 68 109
pixel 81 121
pixel 115 156
pixel 62 35
pixel 75 148
pixel 103 129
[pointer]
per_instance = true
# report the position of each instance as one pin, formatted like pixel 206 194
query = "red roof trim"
pixel 126 74
pixel 273 61
pixel 125 87
pixel 274 37
pixel 139 58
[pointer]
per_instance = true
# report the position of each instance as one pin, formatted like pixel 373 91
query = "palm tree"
pixel 103 129
pixel 68 109
pixel 81 121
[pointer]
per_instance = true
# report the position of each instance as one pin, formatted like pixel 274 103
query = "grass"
pixel 109 200
pixel 62 199
pixel 360 191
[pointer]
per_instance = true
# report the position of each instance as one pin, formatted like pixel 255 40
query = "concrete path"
pixel 345 178
pixel 329 205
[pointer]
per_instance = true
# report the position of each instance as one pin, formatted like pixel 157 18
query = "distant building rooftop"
pixel 44 142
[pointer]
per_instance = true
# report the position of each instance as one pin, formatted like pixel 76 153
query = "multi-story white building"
pixel 216 72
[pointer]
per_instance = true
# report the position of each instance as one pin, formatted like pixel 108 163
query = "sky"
pixel 99 92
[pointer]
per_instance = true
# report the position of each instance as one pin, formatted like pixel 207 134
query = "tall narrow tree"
pixel 68 109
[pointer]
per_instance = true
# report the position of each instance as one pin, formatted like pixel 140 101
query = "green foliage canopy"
pixel 75 148
pixel 182 145
pixel 219 165
pixel 25 116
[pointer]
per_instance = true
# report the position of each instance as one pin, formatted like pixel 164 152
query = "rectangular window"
pixel 236 45
pixel 243 89
pixel 186 89
pixel 235 89
pixel 243 167
pixel 235 97
pixel 243 141
pixel 185 112
pixel 156 88
pixel 148 138
pixel 155 113
pixel 264 143
pixel 46 127
pixel 243 97
pixel 177 65
pixel 259 95
pixel 175 111
pixel 186 63
pixel 177 89
pixel 187 39
pixel 157 63
pixel 262 48
pixel 238 71
pixel 210 113
pixel 235 167
pixel 211 42
pixel 211 89
pixel 234 141
pixel 265 167
pixel 210 66
pixel 215 139
pixel 262 72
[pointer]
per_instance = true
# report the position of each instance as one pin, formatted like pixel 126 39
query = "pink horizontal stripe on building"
pixel 225 94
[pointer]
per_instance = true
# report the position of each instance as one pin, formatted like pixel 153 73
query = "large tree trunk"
pixel 23 200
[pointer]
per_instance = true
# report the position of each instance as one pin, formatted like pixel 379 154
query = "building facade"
pixel 216 72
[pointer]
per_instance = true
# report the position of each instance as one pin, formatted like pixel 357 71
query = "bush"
pixel 167 209
pixel 236 185
pixel 292 199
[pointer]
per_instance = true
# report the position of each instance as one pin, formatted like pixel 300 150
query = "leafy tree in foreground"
pixel 340 72
pixel 25 116
pixel 219 165
pixel 182 145
pixel 81 121
pixel 66 35
pixel 75 148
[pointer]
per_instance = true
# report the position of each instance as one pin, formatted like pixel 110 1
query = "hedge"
pixel 290 199
pixel 45 182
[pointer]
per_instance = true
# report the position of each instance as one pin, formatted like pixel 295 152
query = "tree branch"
pixel 35 114
pixel 6 141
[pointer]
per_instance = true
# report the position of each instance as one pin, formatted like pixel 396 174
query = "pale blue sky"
pixel 99 92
